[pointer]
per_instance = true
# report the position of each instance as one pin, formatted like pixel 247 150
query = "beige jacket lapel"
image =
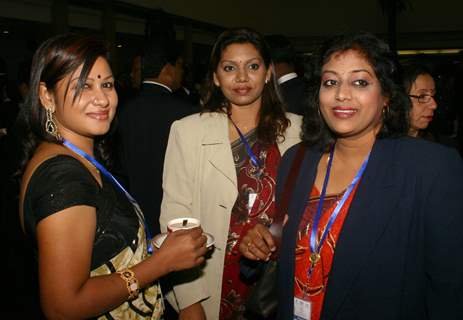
pixel 216 138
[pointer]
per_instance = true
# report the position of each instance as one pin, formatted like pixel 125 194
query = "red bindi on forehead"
pixel 99 76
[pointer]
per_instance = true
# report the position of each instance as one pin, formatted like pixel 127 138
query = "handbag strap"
pixel 282 206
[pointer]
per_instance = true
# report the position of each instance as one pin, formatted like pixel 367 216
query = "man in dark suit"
pixel 145 122
pixel 293 87
pixel 187 90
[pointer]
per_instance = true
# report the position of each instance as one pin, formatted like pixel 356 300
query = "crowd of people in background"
pixel 93 167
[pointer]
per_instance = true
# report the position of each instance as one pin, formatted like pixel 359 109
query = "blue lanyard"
pixel 255 161
pixel 314 249
pixel 108 175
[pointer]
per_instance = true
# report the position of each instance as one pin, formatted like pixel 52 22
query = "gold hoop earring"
pixel 50 124
pixel 385 112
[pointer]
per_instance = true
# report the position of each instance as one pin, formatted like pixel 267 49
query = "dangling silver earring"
pixel 50 125
pixel 266 81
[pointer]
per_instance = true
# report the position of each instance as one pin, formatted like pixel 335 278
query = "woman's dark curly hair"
pixel 386 68
pixel 56 58
pixel 272 118
pixel 411 71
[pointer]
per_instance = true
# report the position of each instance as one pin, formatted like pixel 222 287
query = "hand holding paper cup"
pixel 185 223
pixel 182 224
pixel 182 249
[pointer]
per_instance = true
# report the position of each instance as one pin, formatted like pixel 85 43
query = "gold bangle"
pixel 131 282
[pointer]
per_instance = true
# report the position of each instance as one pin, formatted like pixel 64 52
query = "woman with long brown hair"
pixel 220 167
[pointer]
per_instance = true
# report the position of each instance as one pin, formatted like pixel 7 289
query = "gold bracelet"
pixel 131 282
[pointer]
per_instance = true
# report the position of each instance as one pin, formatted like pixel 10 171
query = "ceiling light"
pixel 429 51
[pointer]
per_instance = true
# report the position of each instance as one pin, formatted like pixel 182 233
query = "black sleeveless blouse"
pixel 63 182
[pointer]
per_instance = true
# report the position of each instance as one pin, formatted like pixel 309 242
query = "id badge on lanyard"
pixel 252 196
pixel 302 309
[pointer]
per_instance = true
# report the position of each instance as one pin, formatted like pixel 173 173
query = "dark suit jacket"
pixel 295 95
pixel 144 130
pixel 191 97
pixel 399 254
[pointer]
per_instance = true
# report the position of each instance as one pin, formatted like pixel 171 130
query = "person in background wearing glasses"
pixel 420 86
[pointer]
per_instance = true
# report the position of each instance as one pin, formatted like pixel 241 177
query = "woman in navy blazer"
pixel 393 251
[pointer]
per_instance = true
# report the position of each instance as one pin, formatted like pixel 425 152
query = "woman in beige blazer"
pixel 209 172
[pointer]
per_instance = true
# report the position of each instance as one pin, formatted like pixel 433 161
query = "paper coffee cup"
pixel 182 223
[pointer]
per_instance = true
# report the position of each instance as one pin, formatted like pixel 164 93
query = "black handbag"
pixel 262 301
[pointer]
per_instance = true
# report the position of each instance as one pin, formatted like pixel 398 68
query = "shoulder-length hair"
pixel 272 119
pixel 55 59
pixel 383 61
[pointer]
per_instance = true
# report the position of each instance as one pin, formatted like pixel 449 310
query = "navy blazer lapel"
pixel 369 214
pixel 303 186
pixel 299 197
